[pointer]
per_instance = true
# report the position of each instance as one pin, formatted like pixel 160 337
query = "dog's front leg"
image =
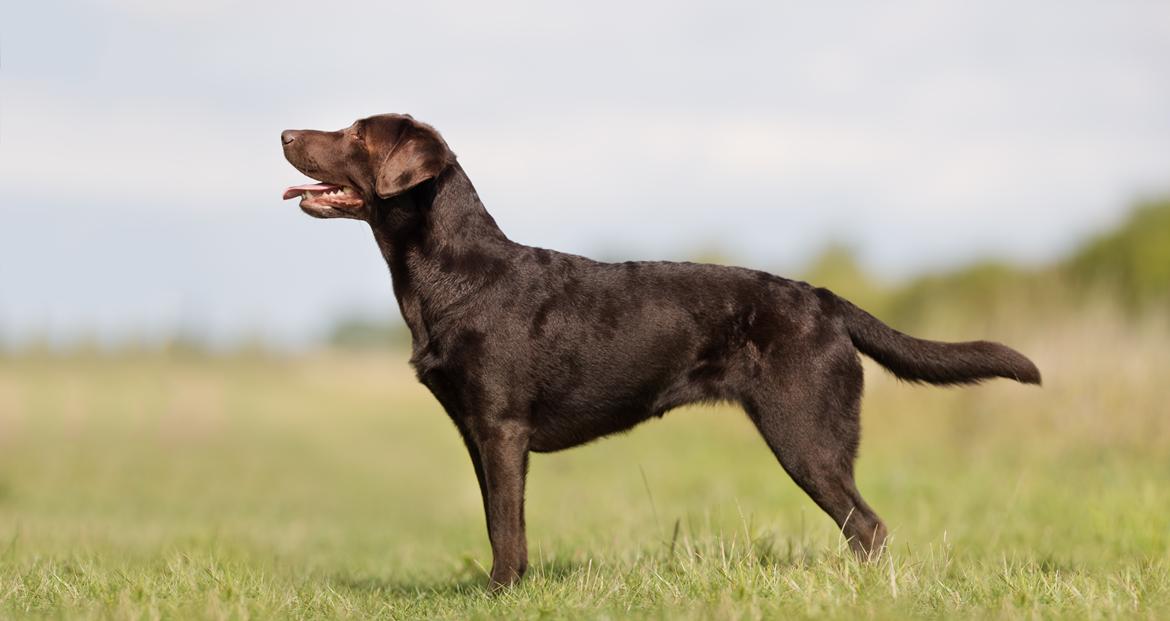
pixel 503 453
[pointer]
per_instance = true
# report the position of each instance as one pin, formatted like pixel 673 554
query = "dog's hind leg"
pixel 812 427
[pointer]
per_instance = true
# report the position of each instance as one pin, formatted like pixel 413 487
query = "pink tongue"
pixel 297 190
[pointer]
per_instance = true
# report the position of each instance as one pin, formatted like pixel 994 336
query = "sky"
pixel 141 171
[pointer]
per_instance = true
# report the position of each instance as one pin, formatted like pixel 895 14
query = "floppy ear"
pixel 419 154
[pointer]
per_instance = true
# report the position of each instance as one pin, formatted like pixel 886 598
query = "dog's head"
pixel 364 164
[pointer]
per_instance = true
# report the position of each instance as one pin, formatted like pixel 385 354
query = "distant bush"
pixel 1127 268
pixel 367 333
pixel 1131 262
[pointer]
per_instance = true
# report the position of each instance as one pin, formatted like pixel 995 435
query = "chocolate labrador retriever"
pixel 529 349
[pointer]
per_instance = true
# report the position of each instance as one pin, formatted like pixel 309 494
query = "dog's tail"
pixel 919 360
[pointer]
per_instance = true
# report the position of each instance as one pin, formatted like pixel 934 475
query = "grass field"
pixel 329 485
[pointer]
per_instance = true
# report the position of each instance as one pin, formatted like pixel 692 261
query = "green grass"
pixel 149 486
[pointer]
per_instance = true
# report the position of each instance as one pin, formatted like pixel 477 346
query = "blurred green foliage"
pixel 360 332
pixel 1133 261
pixel 1127 267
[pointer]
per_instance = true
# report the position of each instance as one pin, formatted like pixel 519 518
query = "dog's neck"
pixel 441 245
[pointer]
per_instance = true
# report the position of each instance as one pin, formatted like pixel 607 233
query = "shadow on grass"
pixel 455 586
pixel 469 581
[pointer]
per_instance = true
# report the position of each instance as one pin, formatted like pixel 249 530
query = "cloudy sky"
pixel 140 168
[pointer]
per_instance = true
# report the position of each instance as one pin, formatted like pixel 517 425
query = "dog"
pixel 529 349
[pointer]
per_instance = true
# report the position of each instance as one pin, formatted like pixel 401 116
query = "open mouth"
pixel 325 195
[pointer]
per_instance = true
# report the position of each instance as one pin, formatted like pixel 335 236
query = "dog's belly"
pixel 575 419
pixel 574 428
pixel 611 400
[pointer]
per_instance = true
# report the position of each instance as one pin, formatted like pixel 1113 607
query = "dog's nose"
pixel 287 136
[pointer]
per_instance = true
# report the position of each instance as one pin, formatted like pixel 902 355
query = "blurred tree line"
pixel 1126 268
